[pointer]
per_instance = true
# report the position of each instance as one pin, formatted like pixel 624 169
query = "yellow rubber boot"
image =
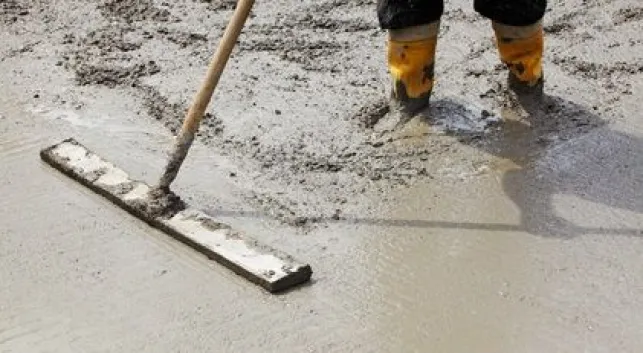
pixel 521 49
pixel 411 55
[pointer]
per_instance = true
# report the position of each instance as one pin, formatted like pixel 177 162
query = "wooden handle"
pixel 202 99
pixel 218 63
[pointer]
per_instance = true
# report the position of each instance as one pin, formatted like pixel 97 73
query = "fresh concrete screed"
pixel 258 263
pixel 521 238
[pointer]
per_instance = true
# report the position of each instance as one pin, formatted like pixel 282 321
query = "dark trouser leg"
pixel 512 12
pixel 397 14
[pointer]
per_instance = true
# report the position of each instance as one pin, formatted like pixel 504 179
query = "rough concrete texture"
pixel 516 236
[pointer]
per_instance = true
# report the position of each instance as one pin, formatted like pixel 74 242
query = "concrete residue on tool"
pixel 229 244
pixel 261 264
pixel 178 154
pixel 160 203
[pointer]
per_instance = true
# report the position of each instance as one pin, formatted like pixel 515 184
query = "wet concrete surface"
pixel 514 236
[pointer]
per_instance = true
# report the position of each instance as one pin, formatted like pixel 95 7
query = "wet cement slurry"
pixel 519 236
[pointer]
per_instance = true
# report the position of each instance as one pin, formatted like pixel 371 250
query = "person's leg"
pixel 413 27
pixel 517 25
pixel 411 54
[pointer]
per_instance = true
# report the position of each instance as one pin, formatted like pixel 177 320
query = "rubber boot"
pixel 521 49
pixel 411 54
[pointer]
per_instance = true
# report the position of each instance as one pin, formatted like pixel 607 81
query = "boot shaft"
pixel 521 50
pixel 411 56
